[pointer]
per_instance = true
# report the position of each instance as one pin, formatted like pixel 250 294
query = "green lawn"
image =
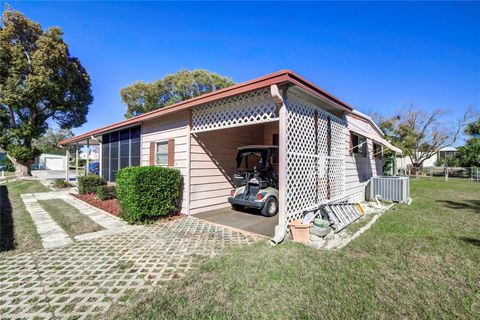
pixel 69 218
pixel 418 261
pixel 17 230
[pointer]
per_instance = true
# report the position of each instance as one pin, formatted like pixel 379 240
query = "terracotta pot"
pixel 300 232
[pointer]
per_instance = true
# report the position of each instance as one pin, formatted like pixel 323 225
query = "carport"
pixel 213 165
pixel 311 133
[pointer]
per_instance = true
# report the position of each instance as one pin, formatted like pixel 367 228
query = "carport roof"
pixel 280 77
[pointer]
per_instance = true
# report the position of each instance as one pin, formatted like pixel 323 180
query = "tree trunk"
pixel 22 168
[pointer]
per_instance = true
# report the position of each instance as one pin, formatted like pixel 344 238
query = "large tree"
pixel 141 97
pixel 420 134
pixel 469 154
pixel 40 82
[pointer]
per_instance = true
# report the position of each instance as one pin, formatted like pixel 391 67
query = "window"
pixel 162 153
pixel 359 144
pixel 377 151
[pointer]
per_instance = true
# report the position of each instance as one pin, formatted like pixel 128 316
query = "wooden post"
pixel 68 163
pixel 76 160
pixel 88 157
pixel 393 163
pixel 282 165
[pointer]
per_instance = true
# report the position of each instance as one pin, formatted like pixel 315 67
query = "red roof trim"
pixel 279 77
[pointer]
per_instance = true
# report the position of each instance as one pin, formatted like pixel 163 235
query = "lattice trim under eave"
pixel 246 109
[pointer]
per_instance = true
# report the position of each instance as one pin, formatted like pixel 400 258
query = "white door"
pixel 54 163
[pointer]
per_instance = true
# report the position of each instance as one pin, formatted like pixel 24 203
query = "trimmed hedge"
pixel 106 192
pixel 147 192
pixel 89 183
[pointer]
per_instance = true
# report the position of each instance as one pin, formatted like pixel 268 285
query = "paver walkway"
pixel 52 234
pixel 85 278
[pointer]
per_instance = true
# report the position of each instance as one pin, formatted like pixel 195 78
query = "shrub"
pixel 7 165
pixel 106 192
pixel 147 192
pixel 89 183
pixel 61 184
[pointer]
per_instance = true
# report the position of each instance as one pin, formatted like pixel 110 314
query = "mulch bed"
pixel 111 206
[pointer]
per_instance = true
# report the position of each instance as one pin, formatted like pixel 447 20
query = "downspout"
pixel 281 228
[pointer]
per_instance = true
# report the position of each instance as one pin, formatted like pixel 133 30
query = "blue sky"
pixel 378 57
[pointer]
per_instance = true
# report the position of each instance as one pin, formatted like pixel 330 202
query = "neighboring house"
pixel 403 162
pixel 327 150
pixel 51 161
pixel 93 154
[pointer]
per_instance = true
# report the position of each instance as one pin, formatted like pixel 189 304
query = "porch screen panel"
pixel 135 146
pixel 124 148
pixel 114 152
pixel 106 156
pixel 120 149
pixel 315 156
pixel 246 109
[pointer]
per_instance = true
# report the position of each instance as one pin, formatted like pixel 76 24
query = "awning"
pixel 378 139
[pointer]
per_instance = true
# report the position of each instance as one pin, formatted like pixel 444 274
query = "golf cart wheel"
pixel 236 207
pixel 270 208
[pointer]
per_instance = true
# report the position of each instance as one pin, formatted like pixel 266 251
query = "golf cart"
pixel 256 183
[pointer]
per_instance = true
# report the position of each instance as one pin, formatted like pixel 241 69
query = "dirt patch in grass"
pixel 69 218
pixel 17 230
pixel 111 206
pixel 414 262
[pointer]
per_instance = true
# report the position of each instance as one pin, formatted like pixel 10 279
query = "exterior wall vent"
pixel 395 189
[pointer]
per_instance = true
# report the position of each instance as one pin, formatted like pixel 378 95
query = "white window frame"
pixel 157 144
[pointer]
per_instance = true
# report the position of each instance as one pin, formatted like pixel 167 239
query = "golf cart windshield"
pixel 248 160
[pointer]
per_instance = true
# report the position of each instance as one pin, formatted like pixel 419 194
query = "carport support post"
pixel 282 165
pixel 88 157
pixel 68 163
pixel 280 230
pixel 76 160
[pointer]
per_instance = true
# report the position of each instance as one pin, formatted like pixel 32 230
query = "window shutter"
pixel 171 152
pixel 152 153
pixel 373 150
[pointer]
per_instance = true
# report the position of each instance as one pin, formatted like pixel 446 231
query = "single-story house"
pixel 327 150
pixel 404 162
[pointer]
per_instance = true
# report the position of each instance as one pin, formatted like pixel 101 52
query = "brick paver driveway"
pixel 85 278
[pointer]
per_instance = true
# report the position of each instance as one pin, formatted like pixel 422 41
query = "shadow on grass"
pixel 469 205
pixel 6 221
pixel 473 241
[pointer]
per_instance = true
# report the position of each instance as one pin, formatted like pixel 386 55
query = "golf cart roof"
pixel 258 147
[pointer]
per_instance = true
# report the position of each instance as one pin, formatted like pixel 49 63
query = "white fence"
pixel 471 173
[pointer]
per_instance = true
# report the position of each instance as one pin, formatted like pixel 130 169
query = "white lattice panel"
pixel 314 176
pixel 250 108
